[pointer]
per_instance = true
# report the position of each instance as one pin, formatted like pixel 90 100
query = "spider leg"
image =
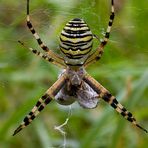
pixel 39 41
pixel 110 99
pixel 99 51
pixel 42 102
pixel 44 56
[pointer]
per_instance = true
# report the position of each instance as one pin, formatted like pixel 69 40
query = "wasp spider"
pixel 74 83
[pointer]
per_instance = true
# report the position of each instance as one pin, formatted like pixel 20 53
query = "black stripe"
pixel 64 48
pixel 41 108
pixel 114 105
pixel 107 96
pixel 115 101
pixel 98 57
pixel 142 128
pixel 112 3
pixel 76 23
pixel 76 26
pixel 26 119
pixel 39 41
pixel 77 35
pixel 29 24
pixel 38 104
pixel 77 56
pixel 48 100
pixel 32 117
pixel 45 48
pixel 110 23
pixel 124 109
pixel 27 122
pixel 123 114
pixel 75 45
pixel 103 43
pixel 27 7
pixel 76 49
pixel 79 47
pixel 74 64
pixel 45 96
pixel 31 113
pixel 73 57
pixel 67 41
pixel 129 119
pixel 107 35
pixel 112 16
pixel 33 31
pixel 50 59
pixel 76 19
pixel 34 51
pixel 129 114
pixel 76 31
pixel 44 56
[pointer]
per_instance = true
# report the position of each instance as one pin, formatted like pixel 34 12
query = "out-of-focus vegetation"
pixel 24 77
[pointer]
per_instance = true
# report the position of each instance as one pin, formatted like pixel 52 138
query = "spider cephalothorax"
pixel 75 89
pixel 74 83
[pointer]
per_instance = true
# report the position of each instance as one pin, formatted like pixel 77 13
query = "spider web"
pixel 17 65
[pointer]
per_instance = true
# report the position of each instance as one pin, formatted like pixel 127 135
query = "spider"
pixel 74 83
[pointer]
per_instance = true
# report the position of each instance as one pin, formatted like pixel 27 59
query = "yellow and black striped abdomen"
pixel 76 39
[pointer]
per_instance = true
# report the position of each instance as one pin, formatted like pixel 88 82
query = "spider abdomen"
pixel 76 39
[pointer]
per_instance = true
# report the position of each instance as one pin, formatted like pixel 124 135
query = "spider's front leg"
pixel 44 56
pixel 42 102
pixel 109 98
pixel 57 59
pixel 99 51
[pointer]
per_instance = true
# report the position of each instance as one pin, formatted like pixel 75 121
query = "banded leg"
pixel 42 102
pixel 107 97
pixel 99 51
pixel 39 41
pixel 44 56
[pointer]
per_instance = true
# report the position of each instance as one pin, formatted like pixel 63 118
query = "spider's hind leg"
pixel 40 105
pixel 110 99
pixel 121 109
pixel 42 102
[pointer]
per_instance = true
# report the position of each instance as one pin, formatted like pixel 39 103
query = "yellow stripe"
pixel 75 40
pixel 74 53
pixel 75 29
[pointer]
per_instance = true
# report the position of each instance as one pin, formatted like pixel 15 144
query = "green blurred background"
pixel 24 77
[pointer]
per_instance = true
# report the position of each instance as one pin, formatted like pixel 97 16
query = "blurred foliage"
pixel 24 77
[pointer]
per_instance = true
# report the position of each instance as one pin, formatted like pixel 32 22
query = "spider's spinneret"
pixel 76 41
